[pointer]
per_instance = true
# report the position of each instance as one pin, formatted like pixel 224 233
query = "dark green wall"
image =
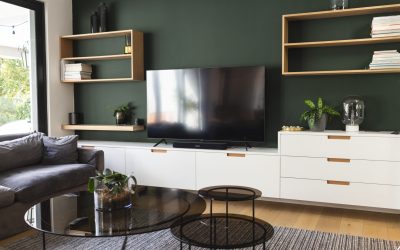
pixel 213 33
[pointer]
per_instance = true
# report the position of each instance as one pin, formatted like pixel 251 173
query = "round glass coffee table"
pixel 153 209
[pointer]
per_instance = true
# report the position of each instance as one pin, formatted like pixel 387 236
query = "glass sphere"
pixel 353 110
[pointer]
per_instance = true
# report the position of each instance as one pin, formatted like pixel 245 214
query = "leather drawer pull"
pixel 87 147
pixel 235 155
pixel 339 137
pixel 159 151
pixel 342 183
pixel 338 160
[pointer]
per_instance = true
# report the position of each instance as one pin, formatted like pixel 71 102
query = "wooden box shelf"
pixel 135 58
pixel 96 127
pixel 286 45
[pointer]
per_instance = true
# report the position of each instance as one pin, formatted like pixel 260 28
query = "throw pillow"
pixel 62 150
pixel 21 152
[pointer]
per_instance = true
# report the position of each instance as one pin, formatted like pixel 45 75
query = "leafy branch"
pixel 315 112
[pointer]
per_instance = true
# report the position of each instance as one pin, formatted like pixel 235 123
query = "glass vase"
pixel 339 4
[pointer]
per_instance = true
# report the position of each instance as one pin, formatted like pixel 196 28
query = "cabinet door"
pixel 114 158
pixel 162 168
pixel 256 171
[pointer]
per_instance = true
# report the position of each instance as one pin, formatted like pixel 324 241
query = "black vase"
pixel 94 22
pixel 102 9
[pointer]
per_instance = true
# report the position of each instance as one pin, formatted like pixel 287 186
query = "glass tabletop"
pixel 153 209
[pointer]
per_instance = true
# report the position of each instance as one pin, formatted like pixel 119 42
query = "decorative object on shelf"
pixel 138 121
pixel 339 4
pixel 292 128
pixel 318 115
pixel 123 113
pixel 112 190
pixel 94 22
pixel 128 45
pixel 74 118
pixel 353 113
pixel 385 59
pixel 102 9
pixel 77 71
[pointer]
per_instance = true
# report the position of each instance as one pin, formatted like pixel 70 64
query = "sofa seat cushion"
pixel 38 181
pixel 7 196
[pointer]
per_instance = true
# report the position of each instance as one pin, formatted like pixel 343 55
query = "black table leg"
pixel 43 241
pixel 124 244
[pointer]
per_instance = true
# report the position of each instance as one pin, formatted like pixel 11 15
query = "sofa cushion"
pixel 38 181
pixel 62 150
pixel 21 152
pixel 6 196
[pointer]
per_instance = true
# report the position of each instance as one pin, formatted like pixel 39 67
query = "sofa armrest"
pixel 91 156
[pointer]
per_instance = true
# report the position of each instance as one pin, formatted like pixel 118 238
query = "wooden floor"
pixel 343 221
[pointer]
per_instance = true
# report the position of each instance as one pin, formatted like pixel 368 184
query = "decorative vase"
pixel 102 9
pixel 319 124
pixel 120 118
pixel 339 4
pixel 94 22
pixel 106 200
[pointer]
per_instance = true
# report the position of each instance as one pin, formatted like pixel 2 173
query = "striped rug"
pixel 284 239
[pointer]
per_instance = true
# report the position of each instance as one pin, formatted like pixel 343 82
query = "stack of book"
pixel 386 59
pixel 386 26
pixel 77 71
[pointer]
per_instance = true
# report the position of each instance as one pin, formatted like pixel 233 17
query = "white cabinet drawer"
pixel 114 158
pixel 377 172
pixel 358 194
pixel 341 146
pixel 256 171
pixel 162 168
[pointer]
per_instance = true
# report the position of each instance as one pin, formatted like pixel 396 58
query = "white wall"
pixel 60 96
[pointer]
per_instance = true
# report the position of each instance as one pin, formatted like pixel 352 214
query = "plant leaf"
pixel 311 120
pixel 309 103
pixel 320 103
pixel 91 185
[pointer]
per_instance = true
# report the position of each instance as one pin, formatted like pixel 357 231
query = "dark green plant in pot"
pixel 318 114
pixel 123 113
pixel 112 189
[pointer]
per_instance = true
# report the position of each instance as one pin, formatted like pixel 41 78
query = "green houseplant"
pixel 111 189
pixel 318 114
pixel 122 113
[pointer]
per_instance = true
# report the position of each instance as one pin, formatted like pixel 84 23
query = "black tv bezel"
pixel 204 140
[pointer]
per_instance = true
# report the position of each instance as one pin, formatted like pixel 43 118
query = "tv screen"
pixel 211 104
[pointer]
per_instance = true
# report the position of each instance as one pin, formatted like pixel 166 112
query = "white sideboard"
pixel 335 167
pixel 193 169
pixel 361 169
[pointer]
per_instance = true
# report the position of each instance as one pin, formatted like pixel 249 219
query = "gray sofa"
pixel 22 187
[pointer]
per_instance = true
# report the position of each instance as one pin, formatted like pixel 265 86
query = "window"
pixel 22 67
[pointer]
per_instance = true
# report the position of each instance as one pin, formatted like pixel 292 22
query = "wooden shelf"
pixel 349 42
pixel 92 127
pixel 108 34
pixel 136 57
pixel 286 45
pixel 343 13
pixel 343 72
pixel 98 58
pixel 99 80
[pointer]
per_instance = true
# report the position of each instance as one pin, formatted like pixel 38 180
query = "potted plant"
pixel 112 190
pixel 122 113
pixel 318 115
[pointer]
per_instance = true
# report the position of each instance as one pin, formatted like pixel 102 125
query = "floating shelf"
pixel 99 80
pixel 343 72
pixel 136 57
pixel 98 58
pixel 92 127
pixel 286 45
pixel 343 13
pixel 349 42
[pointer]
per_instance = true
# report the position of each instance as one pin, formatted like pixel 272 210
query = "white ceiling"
pixel 13 15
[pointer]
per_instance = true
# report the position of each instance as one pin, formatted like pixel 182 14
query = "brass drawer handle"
pixel 159 151
pixel 342 183
pixel 235 155
pixel 339 137
pixel 338 160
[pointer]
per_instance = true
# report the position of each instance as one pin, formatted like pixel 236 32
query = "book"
pixel 78 67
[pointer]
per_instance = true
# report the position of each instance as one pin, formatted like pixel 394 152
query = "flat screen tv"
pixel 208 104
